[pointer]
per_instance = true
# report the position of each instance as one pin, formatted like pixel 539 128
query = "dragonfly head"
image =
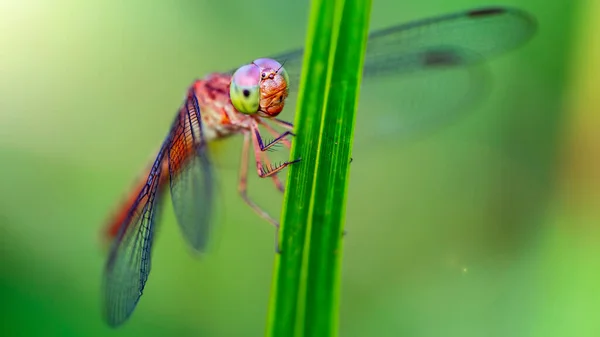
pixel 259 87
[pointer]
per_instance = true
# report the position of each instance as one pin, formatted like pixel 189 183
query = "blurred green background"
pixel 486 227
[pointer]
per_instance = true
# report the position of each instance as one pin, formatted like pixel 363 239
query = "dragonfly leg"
pixel 276 134
pixel 243 190
pixel 267 171
pixel 286 142
pixel 279 138
pixel 275 178
pixel 282 123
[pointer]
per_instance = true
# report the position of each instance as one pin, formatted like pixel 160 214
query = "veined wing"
pixel 191 174
pixel 128 264
pixel 456 39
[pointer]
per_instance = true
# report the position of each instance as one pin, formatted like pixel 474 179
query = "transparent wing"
pixel 191 183
pixel 456 39
pixel 407 96
pixel 128 264
pixel 191 175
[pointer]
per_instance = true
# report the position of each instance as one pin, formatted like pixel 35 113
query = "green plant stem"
pixel 305 293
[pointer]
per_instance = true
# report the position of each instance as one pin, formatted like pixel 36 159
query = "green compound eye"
pixel 244 90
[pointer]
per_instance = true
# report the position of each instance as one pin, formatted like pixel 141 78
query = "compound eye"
pixel 244 90
pixel 266 63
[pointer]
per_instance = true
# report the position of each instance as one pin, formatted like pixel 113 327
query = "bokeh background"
pixel 485 227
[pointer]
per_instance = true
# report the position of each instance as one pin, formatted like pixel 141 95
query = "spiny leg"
pixel 274 177
pixel 259 148
pixel 243 190
pixel 286 142
pixel 279 138
pixel 276 134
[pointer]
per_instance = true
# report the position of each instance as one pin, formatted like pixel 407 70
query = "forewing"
pixel 191 174
pixel 456 39
pixel 426 73
pixel 128 265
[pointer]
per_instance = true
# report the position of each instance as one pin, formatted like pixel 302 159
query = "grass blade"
pixel 304 299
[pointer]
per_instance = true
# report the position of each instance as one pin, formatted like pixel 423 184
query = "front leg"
pixel 259 147
pixel 280 138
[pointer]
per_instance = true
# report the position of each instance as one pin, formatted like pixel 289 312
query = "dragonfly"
pixel 239 101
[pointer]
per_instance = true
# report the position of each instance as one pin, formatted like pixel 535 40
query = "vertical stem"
pixel 305 295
